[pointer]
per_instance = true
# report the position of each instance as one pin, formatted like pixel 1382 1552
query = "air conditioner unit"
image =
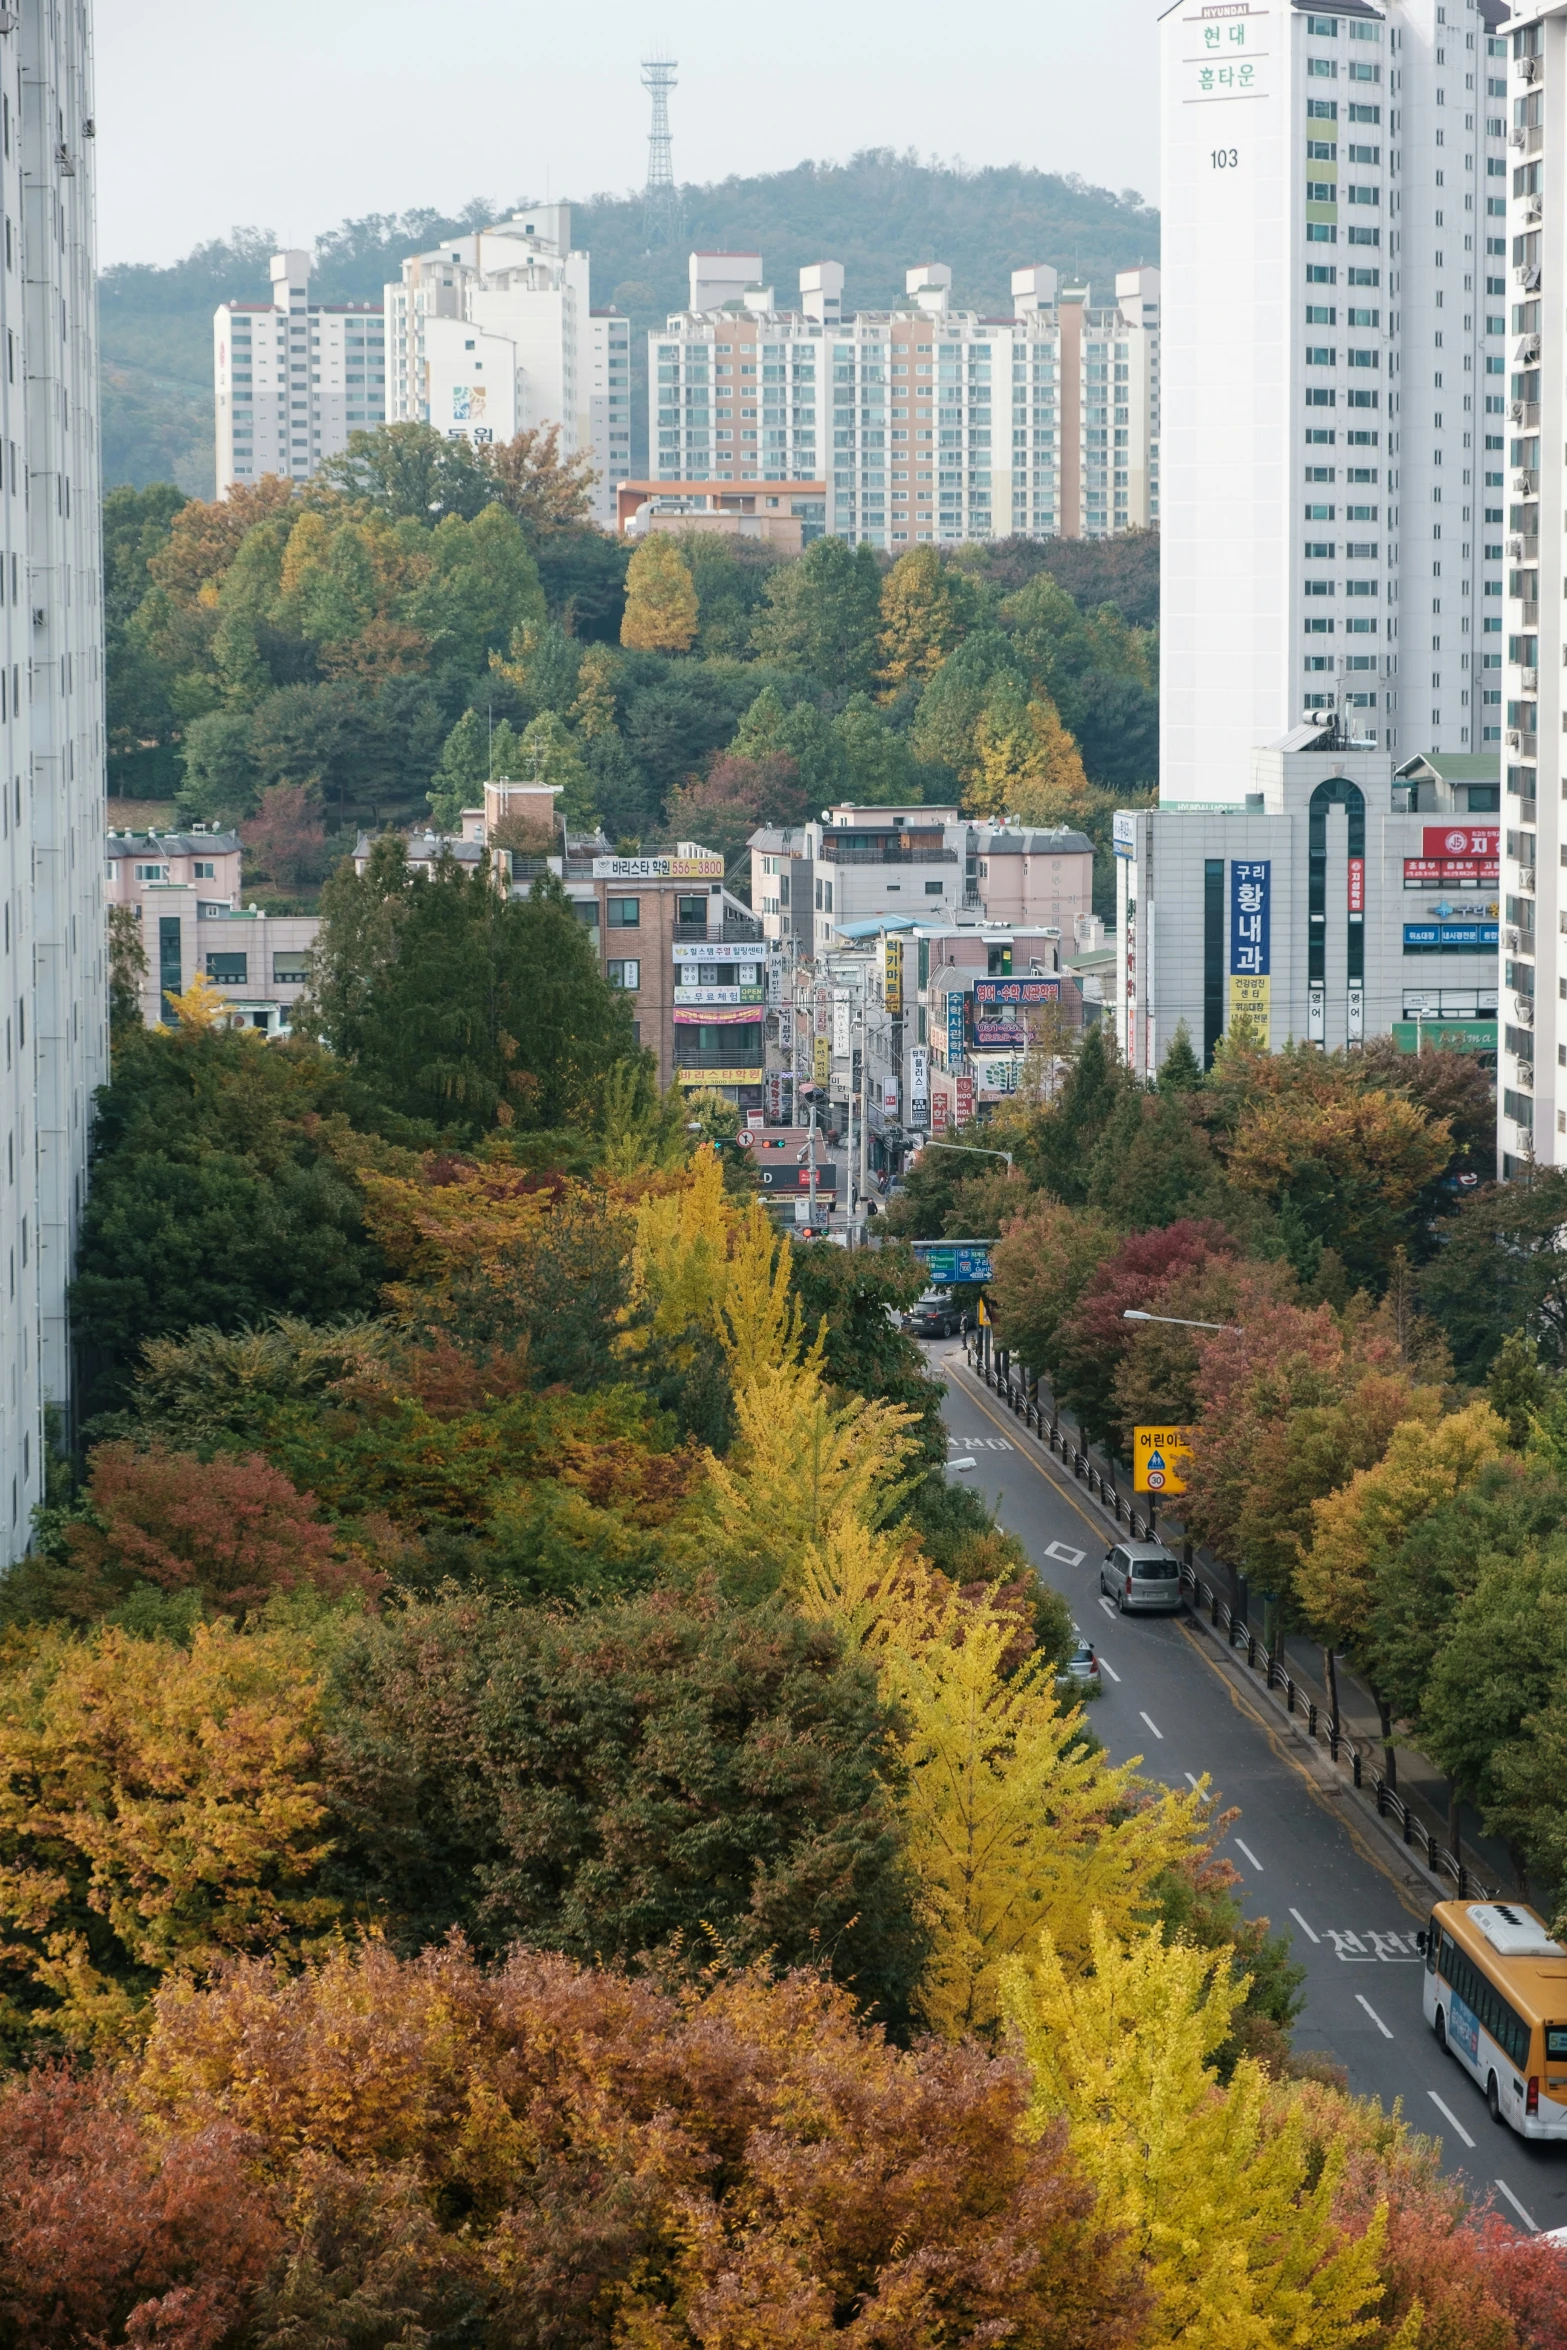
pixel 1533 211
pixel 1528 350
pixel 1516 411
pixel 1523 1005
pixel 1528 69
pixel 1514 739
pixel 1529 683
pixel 1524 484
pixel 1515 138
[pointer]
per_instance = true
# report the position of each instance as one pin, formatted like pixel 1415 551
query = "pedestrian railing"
pixel 1025 1399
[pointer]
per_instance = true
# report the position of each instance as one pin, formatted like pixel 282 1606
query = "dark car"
pixel 934 1316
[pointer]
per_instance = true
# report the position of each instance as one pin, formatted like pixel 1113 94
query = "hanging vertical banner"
pixel 840 1026
pixel 955 1001
pixel 1251 982
pixel 1357 885
pixel 821 1067
pixel 1355 1019
pixel 892 975
pixel 919 1086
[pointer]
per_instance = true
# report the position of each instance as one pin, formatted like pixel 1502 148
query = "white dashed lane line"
pixel 1450 2118
pixel 1363 2001
pixel 1192 1776
pixel 1305 1929
pixel 1250 1855
pixel 1518 2207
pixel 1153 1725
pixel 1109 1610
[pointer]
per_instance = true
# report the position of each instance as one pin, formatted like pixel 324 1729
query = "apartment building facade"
pixel 185 890
pixel 1532 1093
pixel 53 968
pixel 493 333
pixel 1333 445
pixel 812 883
pixel 293 378
pixel 929 422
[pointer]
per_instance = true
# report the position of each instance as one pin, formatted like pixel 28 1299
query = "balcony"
pixel 1526 484
pixel 1526 413
pixel 1524 550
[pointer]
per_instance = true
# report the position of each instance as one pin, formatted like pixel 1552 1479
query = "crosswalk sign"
pixel 1159 1457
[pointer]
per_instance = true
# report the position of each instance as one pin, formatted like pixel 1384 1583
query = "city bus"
pixel 1496 1997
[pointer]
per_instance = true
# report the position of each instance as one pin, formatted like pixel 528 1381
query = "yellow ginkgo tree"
pixel 1211 2189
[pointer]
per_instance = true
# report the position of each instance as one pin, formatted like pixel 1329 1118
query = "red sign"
pixel 1431 872
pixel 965 1100
pixel 1462 840
pixel 938 1110
pixel 1357 885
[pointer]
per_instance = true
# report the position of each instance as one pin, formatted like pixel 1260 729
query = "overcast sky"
pixel 299 114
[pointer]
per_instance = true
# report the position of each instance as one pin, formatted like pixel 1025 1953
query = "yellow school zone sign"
pixel 1159 1456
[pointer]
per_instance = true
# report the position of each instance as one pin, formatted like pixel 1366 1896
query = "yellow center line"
pixel 1237 1695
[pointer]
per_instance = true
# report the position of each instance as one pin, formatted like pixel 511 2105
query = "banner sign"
pixel 1462 840
pixel 697 868
pixel 889 1097
pixel 840 1026
pixel 1017 991
pixel 947 1261
pixel 892 975
pixel 745 961
pixel 719 1078
pixel 718 995
pixel 999 1032
pixel 1160 1457
pixel 821 1060
pixel 954 1028
pixel 1251 984
pixel 1123 833
pixel 721 1015
pixel 1474 935
pixel 1432 872
pixel 919 1086
pixel 965 1100
pixel 1357 885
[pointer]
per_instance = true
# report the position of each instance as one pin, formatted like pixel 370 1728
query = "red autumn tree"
pixel 1093 1338
pixel 235 1530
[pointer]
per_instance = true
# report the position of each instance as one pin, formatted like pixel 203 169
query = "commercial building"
pixel 1333 447
pixel 1342 899
pixel 492 334
pixel 813 883
pixel 293 377
pixel 185 889
pixel 934 423
pixel 53 969
pixel 1532 1096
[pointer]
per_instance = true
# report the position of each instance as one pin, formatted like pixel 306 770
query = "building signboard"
pixel 1251 983
pixel 947 1261
pixel 919 1086
pixel 821 1060
pixel 965 1100
pixel 955 1002
pixel 997 1032
pixel 720 1015
pixel 840 1026
pixel 892 975
pixel 1435 872
pixel 1462 840
pixel 696 868
pixel 1123 833
pixel 1473 935
pixel 719 1077
pixel 718 995
pixel 746 961
pixel 1017 991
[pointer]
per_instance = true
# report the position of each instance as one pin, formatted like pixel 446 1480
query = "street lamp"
pixel 1178 1321
pixel 972 1147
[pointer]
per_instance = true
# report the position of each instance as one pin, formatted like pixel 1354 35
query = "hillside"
pixel 877 214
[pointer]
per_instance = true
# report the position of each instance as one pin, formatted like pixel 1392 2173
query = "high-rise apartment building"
pixel 53 978
pixel 1532 1089
pixel 927 421
pixel 492 334
pixel 293 377
pixel 1333 445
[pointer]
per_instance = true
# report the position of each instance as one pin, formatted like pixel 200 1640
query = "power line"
pixel 661 198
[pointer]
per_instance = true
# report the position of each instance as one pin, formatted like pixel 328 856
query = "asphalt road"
pixel 1307 1860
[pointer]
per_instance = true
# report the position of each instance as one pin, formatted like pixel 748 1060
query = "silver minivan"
pixel 1142 1576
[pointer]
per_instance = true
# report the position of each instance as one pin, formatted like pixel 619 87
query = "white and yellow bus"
pixel 1496 1996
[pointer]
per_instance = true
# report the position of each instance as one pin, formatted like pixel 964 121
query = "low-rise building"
pixel 184 889
pixel 1344 899
pixel 813 883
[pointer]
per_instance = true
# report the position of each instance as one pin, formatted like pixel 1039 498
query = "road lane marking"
pixel 1110 1669
pixel 1448 2115
pixel 1196 1782
pixel 1153 1725
pixel 1250 1855
pixel 1105 1604
pixel 1305 1929
pixel 1364 2002
pixel 1064 1551
pixel 1518 2207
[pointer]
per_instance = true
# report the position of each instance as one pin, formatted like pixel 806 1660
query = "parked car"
pixel 935 1315
pixel 1080 1670
pixel 1142 1577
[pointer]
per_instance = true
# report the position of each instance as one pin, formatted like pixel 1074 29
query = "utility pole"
pixel 660 200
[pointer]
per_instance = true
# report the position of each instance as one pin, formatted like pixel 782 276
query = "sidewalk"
pixel 1411 1804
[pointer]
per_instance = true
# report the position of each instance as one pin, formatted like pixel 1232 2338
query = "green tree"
pixel 1502 1665
pixel 549 752
pixel 823 615
pixel 1502 1267
pixel 1180 1071
pixel 952 702
pixel 858 1296
pixel 927 608
pixel 463 772
pixel 461 1005
pixel 689 1772
pixel 879 763
pixel 1058 1145
pixel 127 971
pixel 221 781
pixel 1152 1164
pixel 409 471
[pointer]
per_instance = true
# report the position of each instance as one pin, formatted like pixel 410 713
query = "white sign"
pixel 786 1031
pixel 1225 52
pixel 1123 833
pixel 700 867
pixel 720 995
pixel 889 1097
pixel 919 1086
pixel 840 1026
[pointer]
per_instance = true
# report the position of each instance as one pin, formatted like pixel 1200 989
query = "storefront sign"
pixel 1462 840
pixel 1017 991
pixel 821 1060
pixel 697 868
pixel 1251 984
pixel 718 995
pixel 719 1079
pixel 919 1086
pixel 720 1015
pixel 1357 885
pixel 965 1093
pixel 1473 935
pixel 892 975
pixel 1435 872
pixel 954 1028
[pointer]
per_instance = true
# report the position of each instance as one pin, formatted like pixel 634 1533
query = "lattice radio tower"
pixel 660 202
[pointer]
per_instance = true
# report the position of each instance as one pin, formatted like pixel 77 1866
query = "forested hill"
pixel 877 214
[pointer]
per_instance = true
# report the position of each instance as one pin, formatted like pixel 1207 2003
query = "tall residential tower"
pixel 1332 444
pixel 293 378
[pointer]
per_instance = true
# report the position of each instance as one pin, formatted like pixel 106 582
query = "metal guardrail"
pixel 1022 1398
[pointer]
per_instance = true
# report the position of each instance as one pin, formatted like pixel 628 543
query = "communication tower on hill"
pixel 661 201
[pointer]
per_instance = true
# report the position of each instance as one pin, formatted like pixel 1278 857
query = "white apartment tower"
pixel 53 977
pixel 492 334
pixel 1532 1076
pixel 923 421
pixel 1333 449
pixel 293 378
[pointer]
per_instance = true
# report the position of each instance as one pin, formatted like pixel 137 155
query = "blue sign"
pixel 954 1028
pixel 1472 935
pixel 1249 895
pixel 954 1260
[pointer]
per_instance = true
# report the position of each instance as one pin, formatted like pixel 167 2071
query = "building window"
pixel 624 913
pixel 205 872
pixel 691 910
pixel 228 970
pixel 290 970
pixel 626 974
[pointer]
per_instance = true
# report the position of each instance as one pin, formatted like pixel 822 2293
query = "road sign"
pixel 1160 1458
pixel 947 1261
